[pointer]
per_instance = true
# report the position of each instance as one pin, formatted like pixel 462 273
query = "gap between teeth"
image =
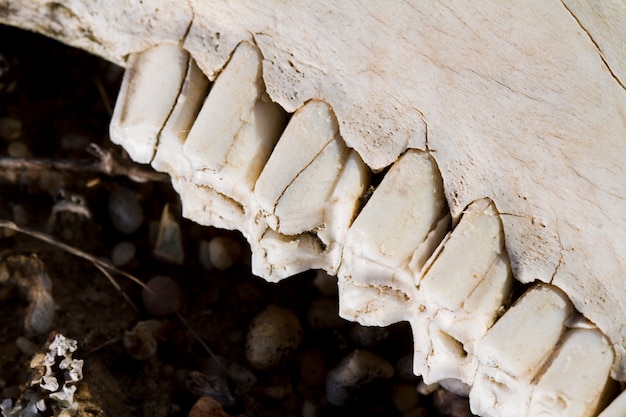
pixel 295 190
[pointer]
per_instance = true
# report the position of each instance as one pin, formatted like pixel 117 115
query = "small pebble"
pixel 369 337
pixel 125 211
pixel 427 389
pixel 210 386
pixel 243 376
pixel 308 409
pixel 224 252
pixel 10 128
pixel 273 338
pixel 405 397
pixel 169 243
pixel 355 371
pixel 323 313
pixel 326 284
pixel 207 407
pixel 162 296
pixel 26 346
pixel 275 392
pixel 312 368
pixel 450 404
pixel 456 386
pixel 74 142
pixel 6 232
pixel 122 253
pixel 140 342
pixel 18 149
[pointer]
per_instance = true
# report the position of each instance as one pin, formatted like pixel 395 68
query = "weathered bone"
pixel 524 106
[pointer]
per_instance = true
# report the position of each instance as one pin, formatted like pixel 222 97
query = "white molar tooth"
pixel 291 198
pixel 209 208
pixel 470 278
pixel 235 131
pixel 308 193
pixel 514 349
pixel 169 155
pixel 146 98
pixel 277 256
pixel 403 220
pixel 573 383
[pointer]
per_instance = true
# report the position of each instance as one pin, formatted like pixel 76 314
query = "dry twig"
pixel 13 169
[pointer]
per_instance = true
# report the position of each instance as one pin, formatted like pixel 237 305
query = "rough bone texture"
pixel 525 105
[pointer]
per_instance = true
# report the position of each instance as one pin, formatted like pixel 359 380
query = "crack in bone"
pixel 596 44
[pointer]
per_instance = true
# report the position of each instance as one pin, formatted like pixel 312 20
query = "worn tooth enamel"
pixel 148 94
pixel 514 349
pixel 378 251
pixel 235 130
pixel 169 156
pixel 470 278
pixel 293 195
pixel 573 383
pixel 210 208
pixel 277 256
pixel 310 201
pixel 447 359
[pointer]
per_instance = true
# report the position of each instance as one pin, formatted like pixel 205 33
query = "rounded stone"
pixel 207 407
pixel 224 252
pixel 405 397
pixel 273 338
pixel 122 253
pixel 18 149
pixel 243 376
pixel 162 296
pixel 140 342
pixel 450 404
pixel 356 370
pixel 10 128
pixel 125 211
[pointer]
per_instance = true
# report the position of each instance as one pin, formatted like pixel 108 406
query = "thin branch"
pixel 105 164
pixel 69 249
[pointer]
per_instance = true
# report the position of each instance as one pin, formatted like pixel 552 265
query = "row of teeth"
pixel 304 200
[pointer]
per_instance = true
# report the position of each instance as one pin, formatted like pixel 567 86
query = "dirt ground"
pixel 63 99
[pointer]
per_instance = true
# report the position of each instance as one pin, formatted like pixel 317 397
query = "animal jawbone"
pixel 505 143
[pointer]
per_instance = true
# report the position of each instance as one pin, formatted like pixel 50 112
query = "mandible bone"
pixel 524 105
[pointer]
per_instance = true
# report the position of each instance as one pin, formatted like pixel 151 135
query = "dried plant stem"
pixel 102 265
pixel 105 164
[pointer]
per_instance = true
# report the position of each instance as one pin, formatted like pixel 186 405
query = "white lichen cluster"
pixel 50 393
